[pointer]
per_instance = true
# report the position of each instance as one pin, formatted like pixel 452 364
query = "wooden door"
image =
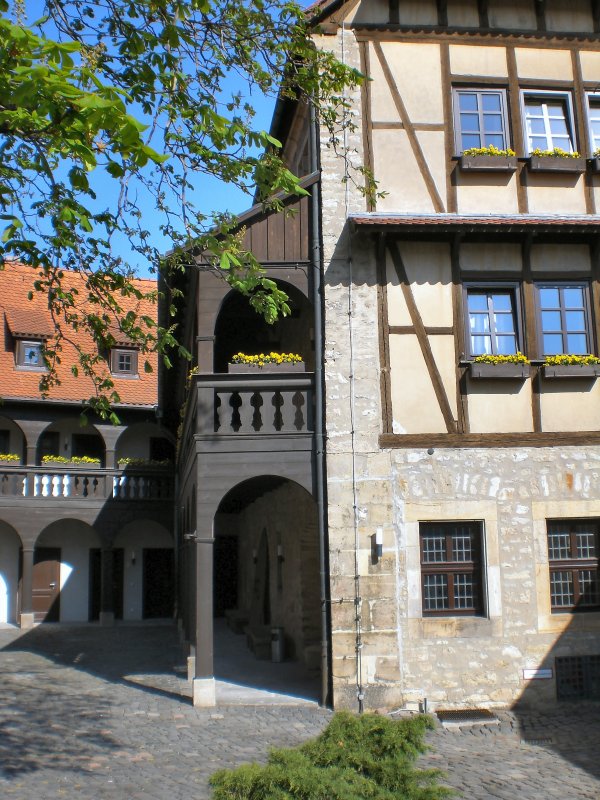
pixel 158 579
pixel 46 584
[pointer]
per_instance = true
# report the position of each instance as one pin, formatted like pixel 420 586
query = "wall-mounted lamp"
pixel 280 556
pixel 254 556
pixel 133 558
pixel 377 545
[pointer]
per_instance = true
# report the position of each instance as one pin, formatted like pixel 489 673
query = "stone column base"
pixel 191 667
pixel 26 620
pixel 204 692
pixel 106 619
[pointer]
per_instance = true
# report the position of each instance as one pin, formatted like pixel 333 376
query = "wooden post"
pixel 204 680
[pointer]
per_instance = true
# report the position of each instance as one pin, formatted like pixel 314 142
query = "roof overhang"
pixel 478 224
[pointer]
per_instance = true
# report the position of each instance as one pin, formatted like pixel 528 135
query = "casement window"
pixel 564 318
pixel 28 354
pixel 480 118
pixel 451 568
pixel 492 319
pixel 124 362
pixel 594 120
pixel 573 550
pixel 549 121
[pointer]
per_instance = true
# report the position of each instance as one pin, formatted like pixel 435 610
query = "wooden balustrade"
pixel 267 404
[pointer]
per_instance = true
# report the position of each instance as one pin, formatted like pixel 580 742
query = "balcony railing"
pixel 58 483
pixel 269 404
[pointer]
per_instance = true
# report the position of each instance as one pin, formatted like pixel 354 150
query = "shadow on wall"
pixel 559 708
pixel 41 706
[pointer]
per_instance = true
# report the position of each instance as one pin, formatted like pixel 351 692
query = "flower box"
pixel 488 163
pixel 517 372
pixel 595 162
pixel 556 164
pixel 71 464
pixel 290 366
pixel 571 370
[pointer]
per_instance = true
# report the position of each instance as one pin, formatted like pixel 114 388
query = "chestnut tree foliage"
pixel 110 113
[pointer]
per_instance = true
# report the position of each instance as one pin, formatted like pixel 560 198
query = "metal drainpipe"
pixel 317 299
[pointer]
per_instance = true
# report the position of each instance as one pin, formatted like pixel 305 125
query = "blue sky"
pixel 210 195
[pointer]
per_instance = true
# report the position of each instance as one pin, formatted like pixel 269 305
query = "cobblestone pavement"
pixel 83 716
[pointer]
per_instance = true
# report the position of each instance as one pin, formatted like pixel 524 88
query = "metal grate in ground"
pixel 466 716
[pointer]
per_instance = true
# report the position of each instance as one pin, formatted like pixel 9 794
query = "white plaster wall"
pixel 135 441
pixel 9 574
pixel 75 540
pixel 134 538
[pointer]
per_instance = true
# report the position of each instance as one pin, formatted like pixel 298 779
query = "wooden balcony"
pixel 79 483
pixel 250 404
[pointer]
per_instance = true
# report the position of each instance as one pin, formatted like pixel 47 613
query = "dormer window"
pixel 124 362
pixel 29 355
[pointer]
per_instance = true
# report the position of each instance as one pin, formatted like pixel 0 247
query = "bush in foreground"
pixel 368 757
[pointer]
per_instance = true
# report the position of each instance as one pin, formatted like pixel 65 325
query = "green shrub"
pixel 368 757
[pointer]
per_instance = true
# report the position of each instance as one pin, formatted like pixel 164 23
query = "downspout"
pixel 319 437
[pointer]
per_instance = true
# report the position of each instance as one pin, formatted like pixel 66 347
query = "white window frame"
pixel 548 94
pixel 589 97
pixel 22 345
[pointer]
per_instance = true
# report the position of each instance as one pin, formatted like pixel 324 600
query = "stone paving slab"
pixel 95 713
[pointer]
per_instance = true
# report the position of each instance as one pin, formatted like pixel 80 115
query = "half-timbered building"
pixel 464 504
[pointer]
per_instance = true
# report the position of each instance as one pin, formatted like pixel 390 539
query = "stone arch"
pixel 136 441
pixel 12 437
pixel 67 437
pixel 273 521
pixel 239 328
pixel 148 568
pixel 73 541
pixel 10 545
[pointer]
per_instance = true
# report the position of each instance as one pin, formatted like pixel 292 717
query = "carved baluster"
pixel 298 400
pixel 246 412
pixel 276 419
pixel 287 411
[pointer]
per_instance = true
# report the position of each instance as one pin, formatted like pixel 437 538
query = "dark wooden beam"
pixel 540 14
pixel 512 440
pixel 442 13
pixel 421 333
pixel 484 17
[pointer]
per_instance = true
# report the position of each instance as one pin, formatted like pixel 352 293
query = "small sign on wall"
pixel 537 674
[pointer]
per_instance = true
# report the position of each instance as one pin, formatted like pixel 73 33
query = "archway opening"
pixel 63 586
pixel 146 550
pixel 240 329
pixel 266 588
pixel 10 544
pixel 68 438
pixel 12 440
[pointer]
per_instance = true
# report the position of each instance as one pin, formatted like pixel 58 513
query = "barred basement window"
pixel 578 677
pixel 573 550
pixel 451 568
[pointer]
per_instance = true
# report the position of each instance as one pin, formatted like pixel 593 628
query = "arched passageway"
pixel 240 329
pixel 63 572
pixel 146 549
pixel 10 545
pixel 266 587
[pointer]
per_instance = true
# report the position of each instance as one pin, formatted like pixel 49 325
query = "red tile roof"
pixel 21 317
